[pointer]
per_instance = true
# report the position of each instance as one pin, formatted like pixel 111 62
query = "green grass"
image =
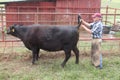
pixel 106 47
pixel 117 34
pixel 50 69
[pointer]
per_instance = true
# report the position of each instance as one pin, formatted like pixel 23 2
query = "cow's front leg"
pixel 35 53
pixel 33 60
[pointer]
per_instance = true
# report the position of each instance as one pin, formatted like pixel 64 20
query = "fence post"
pixel 115 16
pixel 106 15
pixel 2 21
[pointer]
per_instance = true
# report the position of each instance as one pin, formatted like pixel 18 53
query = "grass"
pixel 106 46
pixel 50 69
pixel 117 34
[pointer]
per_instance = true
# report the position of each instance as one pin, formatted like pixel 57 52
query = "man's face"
pixel 96 19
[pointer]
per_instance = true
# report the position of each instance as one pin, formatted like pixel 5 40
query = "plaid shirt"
pixel 96 28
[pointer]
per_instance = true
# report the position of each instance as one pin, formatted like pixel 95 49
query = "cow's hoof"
pixel 62 65
pixel 35 63
pixel 77 62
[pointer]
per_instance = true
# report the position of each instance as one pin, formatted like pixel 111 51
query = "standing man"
pixel 95 29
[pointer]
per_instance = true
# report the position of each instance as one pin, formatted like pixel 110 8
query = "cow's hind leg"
pixel 67 56
pixel 76 51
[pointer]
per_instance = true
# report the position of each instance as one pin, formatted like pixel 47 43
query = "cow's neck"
pixel 21 32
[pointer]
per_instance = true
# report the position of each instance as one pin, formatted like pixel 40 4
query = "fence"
pixel 66 19
pixel 111 15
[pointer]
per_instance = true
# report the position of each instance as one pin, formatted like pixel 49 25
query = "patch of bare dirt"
pixel 27 57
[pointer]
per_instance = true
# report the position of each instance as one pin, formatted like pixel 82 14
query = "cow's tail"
pixel 79 21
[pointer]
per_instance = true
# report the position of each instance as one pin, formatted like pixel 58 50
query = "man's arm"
pixel 88 30
pixel 85 23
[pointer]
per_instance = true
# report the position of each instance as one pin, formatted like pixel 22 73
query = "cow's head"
pixel 12 30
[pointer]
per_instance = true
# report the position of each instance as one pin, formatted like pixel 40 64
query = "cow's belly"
pixel 52 46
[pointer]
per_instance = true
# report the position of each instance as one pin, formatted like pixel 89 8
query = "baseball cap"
pixel 97 15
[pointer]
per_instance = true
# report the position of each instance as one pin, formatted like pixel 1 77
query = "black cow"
pixel 50 38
